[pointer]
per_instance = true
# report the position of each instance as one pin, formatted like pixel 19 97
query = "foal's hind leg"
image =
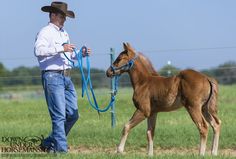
pixel 214 121
pixel 150 132
pixel 216 128
pixel 137 117
pixel 199 120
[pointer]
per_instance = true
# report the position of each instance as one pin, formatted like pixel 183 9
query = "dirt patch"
pixel 142 151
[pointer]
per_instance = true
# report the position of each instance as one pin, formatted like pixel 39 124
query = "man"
pixel 51 42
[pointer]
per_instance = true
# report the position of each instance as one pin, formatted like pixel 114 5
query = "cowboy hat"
pixel 60 7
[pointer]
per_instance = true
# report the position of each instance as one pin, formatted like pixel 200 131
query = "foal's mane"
pixel 147 63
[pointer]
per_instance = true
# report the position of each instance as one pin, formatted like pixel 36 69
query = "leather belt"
pixel 62 72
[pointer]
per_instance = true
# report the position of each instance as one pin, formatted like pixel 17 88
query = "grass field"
pixel 92 137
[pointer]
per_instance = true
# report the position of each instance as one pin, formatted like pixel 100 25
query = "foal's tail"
pixel 212 103
pixel 210 107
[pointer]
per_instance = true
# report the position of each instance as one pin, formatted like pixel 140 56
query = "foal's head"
pixel 124 62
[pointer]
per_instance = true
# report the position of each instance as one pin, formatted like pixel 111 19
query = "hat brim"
pixel 55 10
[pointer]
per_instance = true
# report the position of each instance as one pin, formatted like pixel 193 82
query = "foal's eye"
pixel 120 58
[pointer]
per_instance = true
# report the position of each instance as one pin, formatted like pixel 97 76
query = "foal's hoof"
pixel 150 154
pixel 214 153
pixel 119 152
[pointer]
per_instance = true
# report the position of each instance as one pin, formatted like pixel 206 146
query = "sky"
pixel 197 34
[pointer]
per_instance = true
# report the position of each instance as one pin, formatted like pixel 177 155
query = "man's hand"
pixel 68 47
pixel 86 51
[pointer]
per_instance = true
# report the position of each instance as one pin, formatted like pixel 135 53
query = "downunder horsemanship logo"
pixel 21 144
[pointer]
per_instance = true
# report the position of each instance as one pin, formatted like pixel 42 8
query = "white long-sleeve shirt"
pixel 49 50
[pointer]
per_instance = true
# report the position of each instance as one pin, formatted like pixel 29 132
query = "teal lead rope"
pixel 87 81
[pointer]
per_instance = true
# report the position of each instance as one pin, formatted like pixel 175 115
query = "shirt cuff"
pixel 59 49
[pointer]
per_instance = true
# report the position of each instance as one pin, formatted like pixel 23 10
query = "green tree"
pixel 224 73
pixel 169 70
pixel 24 76
pixel 3 70
pixel 3 74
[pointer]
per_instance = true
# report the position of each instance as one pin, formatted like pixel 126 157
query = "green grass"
pixel 101 155
pixel 174 130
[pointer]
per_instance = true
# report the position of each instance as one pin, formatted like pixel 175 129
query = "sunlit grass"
pixel 29 117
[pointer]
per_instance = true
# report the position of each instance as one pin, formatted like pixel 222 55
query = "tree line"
pixel 32 76
pixel 224 73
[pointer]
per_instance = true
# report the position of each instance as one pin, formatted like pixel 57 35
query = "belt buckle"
pixel 66 72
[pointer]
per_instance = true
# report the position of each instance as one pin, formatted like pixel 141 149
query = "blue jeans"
pixel 61 99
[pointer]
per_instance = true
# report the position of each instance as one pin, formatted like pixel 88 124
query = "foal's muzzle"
pixel 118 70
pixel 111 72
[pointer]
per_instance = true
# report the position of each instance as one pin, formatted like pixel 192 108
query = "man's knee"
pixel 76 115
pixel 73 116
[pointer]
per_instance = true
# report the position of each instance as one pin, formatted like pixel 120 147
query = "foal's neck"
pixel 138 74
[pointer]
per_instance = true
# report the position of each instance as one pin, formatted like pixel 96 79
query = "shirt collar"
pixel 56 27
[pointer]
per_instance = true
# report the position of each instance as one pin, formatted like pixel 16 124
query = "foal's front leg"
pixel 137 117
pixel 151 122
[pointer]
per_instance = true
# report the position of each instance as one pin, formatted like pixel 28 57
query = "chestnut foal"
pixel 154 93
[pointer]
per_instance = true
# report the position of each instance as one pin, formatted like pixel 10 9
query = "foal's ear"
pixel 128 45
pixel 130 48
pixel 125 46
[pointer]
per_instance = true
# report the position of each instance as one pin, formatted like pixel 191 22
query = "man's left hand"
pixel 86 52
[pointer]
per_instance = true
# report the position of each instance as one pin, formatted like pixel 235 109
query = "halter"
pixel 126 66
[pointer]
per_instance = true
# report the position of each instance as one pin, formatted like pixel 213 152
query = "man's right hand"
pixel 68 47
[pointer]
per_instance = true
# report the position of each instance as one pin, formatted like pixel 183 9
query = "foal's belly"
pixel 167 104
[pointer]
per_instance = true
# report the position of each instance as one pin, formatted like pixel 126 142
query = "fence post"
pixel 113 117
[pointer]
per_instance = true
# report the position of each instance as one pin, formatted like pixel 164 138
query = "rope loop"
pixel 86 81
